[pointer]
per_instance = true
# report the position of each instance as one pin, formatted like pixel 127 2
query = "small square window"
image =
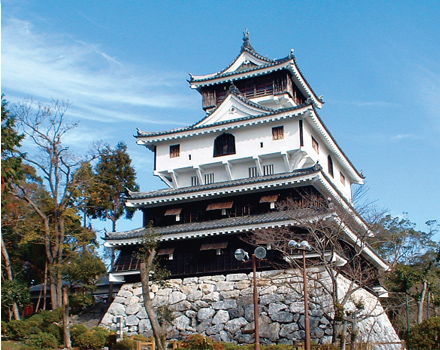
pixel 278 133
pixel 342 178
pixel 174 151
pixel 315 145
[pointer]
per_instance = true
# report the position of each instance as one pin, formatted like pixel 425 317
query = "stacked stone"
pixel 221 307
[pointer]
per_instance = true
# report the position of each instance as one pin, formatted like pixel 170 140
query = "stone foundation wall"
pixel 222 307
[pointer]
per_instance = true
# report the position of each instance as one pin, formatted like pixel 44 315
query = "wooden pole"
pixel 306 304
pixel 256 309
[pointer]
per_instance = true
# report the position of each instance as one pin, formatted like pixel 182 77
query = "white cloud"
pixel 44 66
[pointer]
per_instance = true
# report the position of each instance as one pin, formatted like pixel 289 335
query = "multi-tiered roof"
pixel 260 142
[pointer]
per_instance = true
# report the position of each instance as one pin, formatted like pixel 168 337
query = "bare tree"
pixel 338 238
pixel 45 128
pixel 159 316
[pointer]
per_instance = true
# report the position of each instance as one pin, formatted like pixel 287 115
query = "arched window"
pixel 330 165
pixel 224 145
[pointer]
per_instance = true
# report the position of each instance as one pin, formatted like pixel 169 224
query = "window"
pixel 268 169
pixel 209 178
pixel 330 165
pixel 224 145
pixel 278 133
pixel 174 212
pixel 315 145
pixel 174 151
pixel 253 171
pixel 342 178
pixel 301 134
pixel 195 180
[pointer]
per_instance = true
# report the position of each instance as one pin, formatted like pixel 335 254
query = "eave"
pixel 288 64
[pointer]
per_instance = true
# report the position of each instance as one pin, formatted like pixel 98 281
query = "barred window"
pixel 253 171
pixel 174 151
pixel 278 133
pixel 209 178
pixel 268 169
pixel 195 180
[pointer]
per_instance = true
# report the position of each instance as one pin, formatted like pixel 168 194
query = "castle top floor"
pixel 261 119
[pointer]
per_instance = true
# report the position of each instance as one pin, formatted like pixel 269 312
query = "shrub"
pixel 18 330
pixel 75 331
pixel 102 333
pixel 4 329
pixel 56 331
pixel 125 344
pixel 199 342
pixel 37 319
pixel 41 341
pixel 90 341
pixel 426 335
pixel 50 317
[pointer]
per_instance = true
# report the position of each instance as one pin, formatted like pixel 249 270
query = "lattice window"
pixel 174 151
pixel 278 133
pixel 224 145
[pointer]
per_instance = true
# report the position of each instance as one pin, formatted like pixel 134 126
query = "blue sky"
pixel 124 65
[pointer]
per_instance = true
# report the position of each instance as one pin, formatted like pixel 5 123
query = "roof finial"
pixel 246 41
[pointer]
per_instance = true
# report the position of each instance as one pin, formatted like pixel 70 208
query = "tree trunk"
pixel 158 331
pixel 66 330
pixel 420 303
pixel 8 269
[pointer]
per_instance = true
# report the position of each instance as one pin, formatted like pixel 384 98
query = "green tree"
pixel 11 171
pixel 114 177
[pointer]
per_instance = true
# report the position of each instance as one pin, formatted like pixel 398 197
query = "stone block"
pixel 190 280
pixel 116 309
pixel 177 297
pixel 132 309
pixel 233 277
pixel 132 320
pixel 221 317
pixel 207 288
pixel 205 313
pixel 224 286
pixel 211 297
pixel 182 323
pixel 233 326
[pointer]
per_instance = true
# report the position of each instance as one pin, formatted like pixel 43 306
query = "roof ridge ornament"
pixel 246 42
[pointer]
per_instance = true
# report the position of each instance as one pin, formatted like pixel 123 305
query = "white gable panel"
pixel 230 109
pixel 245 57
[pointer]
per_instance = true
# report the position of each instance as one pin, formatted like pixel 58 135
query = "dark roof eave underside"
pixel 219 185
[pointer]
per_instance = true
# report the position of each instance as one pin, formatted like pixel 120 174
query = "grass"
pixel 11 345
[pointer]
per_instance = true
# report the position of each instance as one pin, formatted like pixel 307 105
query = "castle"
pixel 262 142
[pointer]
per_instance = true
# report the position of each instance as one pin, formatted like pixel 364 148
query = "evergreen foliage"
pixel 114 177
